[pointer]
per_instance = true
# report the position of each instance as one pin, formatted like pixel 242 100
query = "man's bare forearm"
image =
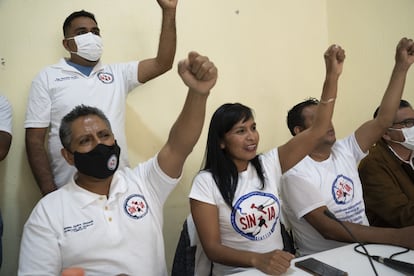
pixel 39 164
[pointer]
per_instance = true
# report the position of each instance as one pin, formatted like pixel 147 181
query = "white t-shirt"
pixel 57 89
pixel 254 223
pixel 73 227
pixel 333 183
pixel 6 115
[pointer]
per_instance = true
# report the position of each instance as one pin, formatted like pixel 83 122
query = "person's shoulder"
pixel 127 171
pixel 345 143
pixel 119 65
pixel 272 154
pixel 56 195
pixel 51 201
pixel 204 174
pixel 4 102
pixel 59 64
pixel 50 68
pixel 348 147
pixel 141 170
pixel 302 167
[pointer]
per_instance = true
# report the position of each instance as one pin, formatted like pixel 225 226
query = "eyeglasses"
pixel 405 123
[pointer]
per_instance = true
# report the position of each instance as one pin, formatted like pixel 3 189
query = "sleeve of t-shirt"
pixel 39 248
pixel 6 115
pixel 203 189
pixel 131 74
pixel 38 105
pixel 271 164
pixel 351 145
pixel 300 195
pixel 157 182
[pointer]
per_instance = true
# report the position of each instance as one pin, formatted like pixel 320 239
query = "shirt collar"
pixel 63 65
pixel 85 197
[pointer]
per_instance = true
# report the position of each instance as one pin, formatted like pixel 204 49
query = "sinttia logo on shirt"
pixel 255 215
pixel 343 189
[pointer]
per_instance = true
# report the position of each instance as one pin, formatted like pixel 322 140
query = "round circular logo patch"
pixel 136 206
pixel 112 162
pixel 105 77
pixel 343 189
pixel 255 215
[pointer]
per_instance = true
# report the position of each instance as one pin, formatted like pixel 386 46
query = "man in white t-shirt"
pixel 109 222
pixel 327 179
pixel 83 79
pixel 6 121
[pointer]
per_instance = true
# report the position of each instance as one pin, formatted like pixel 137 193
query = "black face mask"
pixel 101 162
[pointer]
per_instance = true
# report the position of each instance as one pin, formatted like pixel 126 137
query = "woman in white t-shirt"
pixel 234 199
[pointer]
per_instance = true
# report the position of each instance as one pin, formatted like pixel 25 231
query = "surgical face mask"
pixel 89 45
pixel 408 133
pixel 101 162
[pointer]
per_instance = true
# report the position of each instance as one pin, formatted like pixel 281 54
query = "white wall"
pixel 369 31
pixel 269 55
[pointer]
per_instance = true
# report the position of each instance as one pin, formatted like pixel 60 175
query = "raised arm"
pixel 370 132
pixel 153 67
pixel 304 142
pixel 200 75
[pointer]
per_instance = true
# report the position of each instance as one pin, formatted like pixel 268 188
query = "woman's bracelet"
pixel 327 101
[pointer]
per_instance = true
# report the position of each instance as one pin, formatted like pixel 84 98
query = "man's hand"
pixel 167 4
pixel 404 55
pixel 73 271
pixel 334 59
pixel 198 72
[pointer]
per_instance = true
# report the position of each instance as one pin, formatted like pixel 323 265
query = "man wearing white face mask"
pixel 387 173
pixel 89 46
pixel 84 79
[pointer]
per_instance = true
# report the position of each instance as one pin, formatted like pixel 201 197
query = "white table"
pixel 345 258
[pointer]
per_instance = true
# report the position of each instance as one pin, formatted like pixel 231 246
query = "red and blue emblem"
pixel 105 77
pixel 112 162
pixel 343 189
pixel 255 215
pixel 136 206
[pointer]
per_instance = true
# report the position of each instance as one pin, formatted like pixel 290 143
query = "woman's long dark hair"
pixel 217 162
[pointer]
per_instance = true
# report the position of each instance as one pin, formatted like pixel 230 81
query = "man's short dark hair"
pixel 295 117
pixel 65 130
pixel 403 103
pixel 74 15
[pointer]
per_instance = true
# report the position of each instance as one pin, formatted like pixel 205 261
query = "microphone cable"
pixel 332 216
pixel 404 267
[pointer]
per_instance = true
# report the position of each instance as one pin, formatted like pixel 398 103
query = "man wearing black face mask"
pixel 387 173
pixel 84 79
pixel 105 221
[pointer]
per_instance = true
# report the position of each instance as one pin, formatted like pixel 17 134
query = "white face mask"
pixel 408 133
pixel 89 46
